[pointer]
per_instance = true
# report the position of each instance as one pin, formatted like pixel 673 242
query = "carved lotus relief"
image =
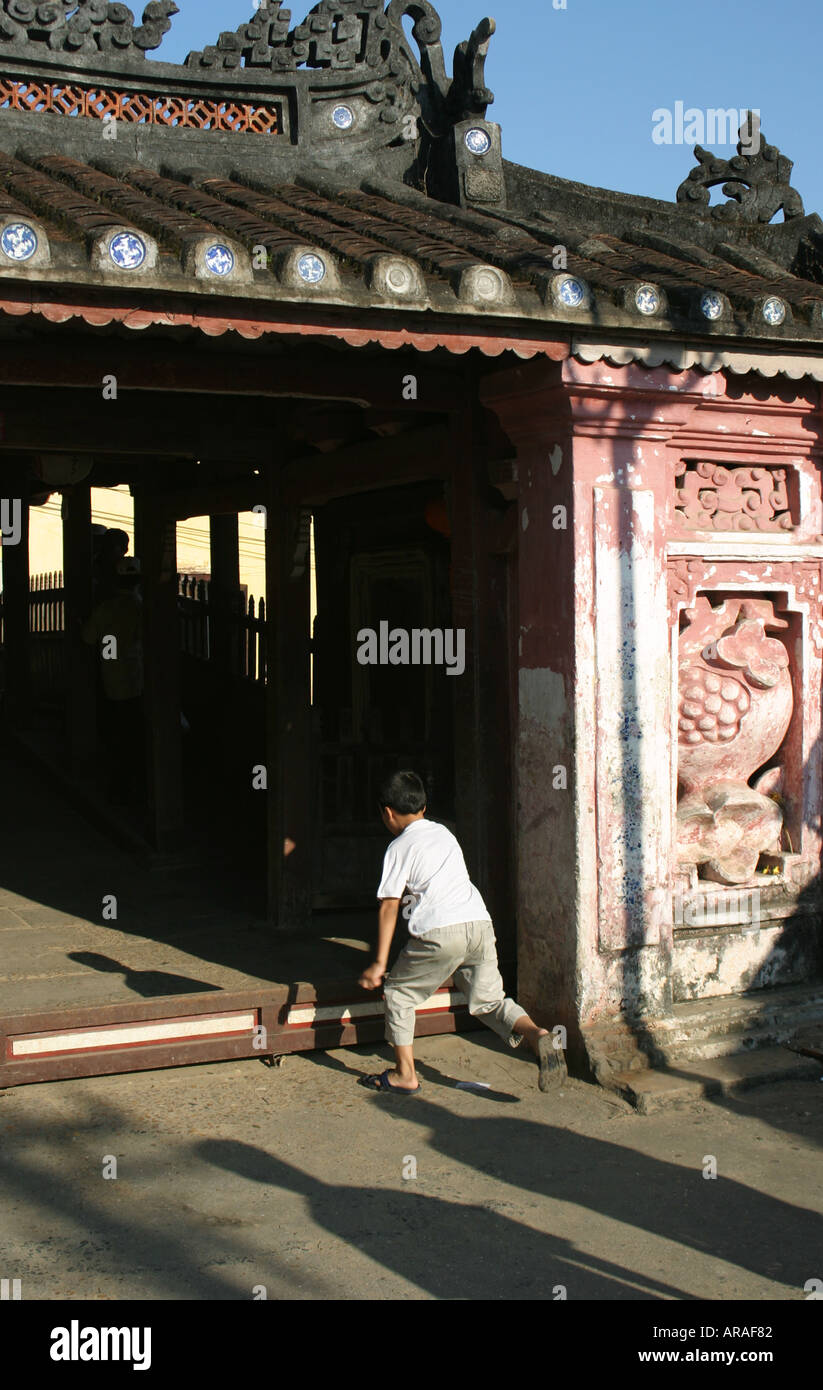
pixel 735 707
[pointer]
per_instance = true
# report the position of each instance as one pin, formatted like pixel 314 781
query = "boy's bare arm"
pixel 374 976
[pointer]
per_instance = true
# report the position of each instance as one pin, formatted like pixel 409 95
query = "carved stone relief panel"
pixel 748 713
pixel 802 578
pixel 733 497
pixel 734 710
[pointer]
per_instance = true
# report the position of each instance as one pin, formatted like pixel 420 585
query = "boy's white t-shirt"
pixel 425 867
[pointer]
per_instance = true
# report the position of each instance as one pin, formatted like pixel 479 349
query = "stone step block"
pixel 656 1089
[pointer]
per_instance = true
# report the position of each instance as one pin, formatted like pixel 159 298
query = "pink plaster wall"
pixel 599 607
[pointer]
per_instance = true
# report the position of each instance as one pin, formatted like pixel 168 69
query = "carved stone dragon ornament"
pixel 756 181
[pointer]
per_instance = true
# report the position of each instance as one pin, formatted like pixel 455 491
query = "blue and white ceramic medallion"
pixel 711 305
pixel 19 241
pixel 647 299
pixel 127 251
pixel 478 141
pixel 343 117
pixel 774 311
pixel 571 292
pixel 219 259
pixel 311 268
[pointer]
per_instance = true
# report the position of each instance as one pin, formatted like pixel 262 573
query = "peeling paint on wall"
pixel 543 697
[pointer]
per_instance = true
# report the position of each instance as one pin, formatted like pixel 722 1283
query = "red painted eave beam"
pixel 458 340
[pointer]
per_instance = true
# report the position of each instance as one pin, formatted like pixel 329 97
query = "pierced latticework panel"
pixel 140 108
pixel 734 497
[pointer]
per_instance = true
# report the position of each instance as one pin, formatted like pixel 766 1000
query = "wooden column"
pixel 138 492
pixel 14 488
pixel 161 655
pixel 464 523
pixel 526 401
pixel 476 746
pixel 80 658
pixel 289 760
pixel 483 543
pixel 225 687
pixel 225 583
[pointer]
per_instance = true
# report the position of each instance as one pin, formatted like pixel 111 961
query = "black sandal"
pixel 381 1083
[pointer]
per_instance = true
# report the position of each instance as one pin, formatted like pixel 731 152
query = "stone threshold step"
pixel 656 1089
pixel 776 1011
pixel 759 1002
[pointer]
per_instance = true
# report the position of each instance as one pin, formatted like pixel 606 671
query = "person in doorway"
pixel 450 933
pixel 110 548
pixel 116 628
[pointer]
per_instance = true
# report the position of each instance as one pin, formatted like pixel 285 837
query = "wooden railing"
pixel 47 623
pixel 46 603
pixel 243 632
pixel 243 622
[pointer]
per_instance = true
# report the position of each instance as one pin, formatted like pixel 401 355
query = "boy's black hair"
pixel 404 793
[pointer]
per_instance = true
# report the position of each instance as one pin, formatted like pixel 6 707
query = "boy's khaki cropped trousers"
pixel 469 953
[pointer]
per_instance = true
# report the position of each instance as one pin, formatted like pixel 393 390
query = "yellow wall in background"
pixel 46 537
pixel 113 507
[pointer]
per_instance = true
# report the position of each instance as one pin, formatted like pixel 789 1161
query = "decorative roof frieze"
pixel 260 43
pixel 84 26
pixel 345 79
pixel 362 38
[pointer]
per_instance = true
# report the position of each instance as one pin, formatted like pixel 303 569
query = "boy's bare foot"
pixel 544 1046
pixel 531 1033
pixel 552 1061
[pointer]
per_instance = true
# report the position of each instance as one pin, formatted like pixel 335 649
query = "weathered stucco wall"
pixel 620 460
pixel 531 411
pixel 602 880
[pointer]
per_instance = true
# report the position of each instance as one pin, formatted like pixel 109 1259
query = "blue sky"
pixel 576 88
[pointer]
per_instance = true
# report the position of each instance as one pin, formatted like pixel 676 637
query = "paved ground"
pixel 175 933
pixel 237 1175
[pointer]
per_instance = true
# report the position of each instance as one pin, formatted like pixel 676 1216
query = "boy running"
pixel 451 933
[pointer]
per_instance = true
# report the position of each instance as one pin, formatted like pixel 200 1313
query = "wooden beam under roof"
pixel 363 381
pixel 380 463
pixel 43 420
pixel 368 467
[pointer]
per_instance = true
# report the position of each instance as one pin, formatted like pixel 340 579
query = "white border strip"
pixel 301 1015
pixel 120 1035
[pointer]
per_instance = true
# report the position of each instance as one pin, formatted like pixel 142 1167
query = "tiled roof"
pixel 77 204
pixel 280 171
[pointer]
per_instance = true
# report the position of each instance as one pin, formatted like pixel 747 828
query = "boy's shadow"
pixel 771 1238
pixel 450 1250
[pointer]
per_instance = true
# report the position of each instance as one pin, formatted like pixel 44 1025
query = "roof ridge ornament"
pixel 85 26
pixel 341 84
pixel 469 96
pixel 757 180
pixel 346 35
